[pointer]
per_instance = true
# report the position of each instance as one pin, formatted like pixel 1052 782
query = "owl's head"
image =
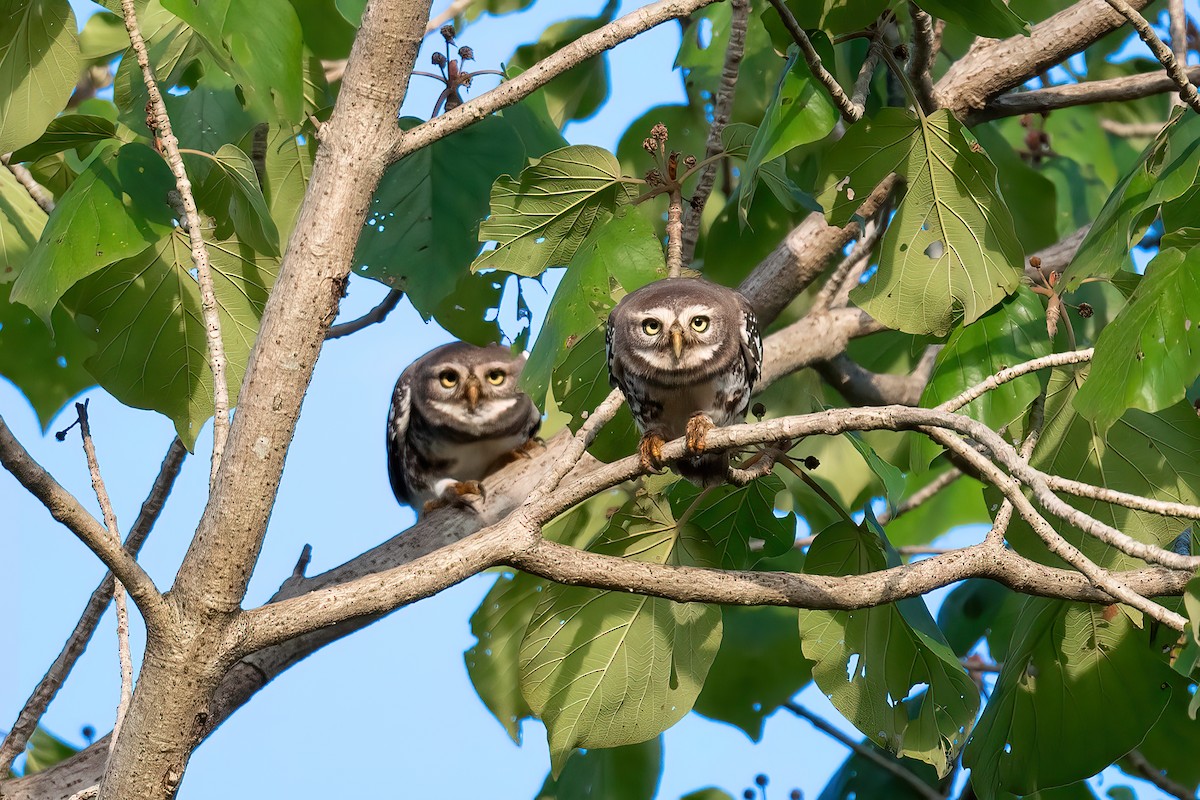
pixel 677 325
pixel 466 382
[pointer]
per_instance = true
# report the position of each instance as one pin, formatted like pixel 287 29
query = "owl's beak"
pixel 677 340
pixel 472 393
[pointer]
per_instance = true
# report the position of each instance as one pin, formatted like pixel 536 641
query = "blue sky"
pixel 388 710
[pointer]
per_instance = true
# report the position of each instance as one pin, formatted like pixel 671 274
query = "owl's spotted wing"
pixel 752 347
pixel 397 440
pixel 614 368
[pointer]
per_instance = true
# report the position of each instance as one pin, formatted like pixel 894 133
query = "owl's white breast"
pixel 680 403
pixel 470 461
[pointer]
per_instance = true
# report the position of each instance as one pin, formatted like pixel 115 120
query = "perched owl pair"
pixel 686 354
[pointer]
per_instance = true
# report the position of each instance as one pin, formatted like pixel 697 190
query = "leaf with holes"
pixel 1148 356
pixel 115 209
pixel 950 251
pixel 730 516
pixel 1152 455
pixel 604 669
pixel 145 316
pixel 1058 685
pixel 890 476
pixel 861 776
pixel 631 772
pixel 580 383
pixel 39 65
pixel 887 669
pixel 230 192
pixel 540 219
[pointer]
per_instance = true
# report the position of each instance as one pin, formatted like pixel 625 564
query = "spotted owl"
pixel 686 354
pixel 457 415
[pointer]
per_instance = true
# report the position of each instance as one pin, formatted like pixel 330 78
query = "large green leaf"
pixel 261 45
pixel 1089 681
pixel 326 32
pixel 21 224
pixel 540 219
pixel 114 210
pixel 618 257
pixel 730 516
pixel 212 114
pixel 579 92
pixel 231 193
pixel 603 669
pixel 830 16
pixel 421 232
pixel 39 65
pixel 968 612
pixel 1155 456
pixel 45 750
pixel 47 366
pixel 887 669
pixel 289 160
pixel 863 777
pixel 1148 356
pixel 800 112
pixel 631 772
pixel 990 18
pixel 950 251
pixel 1025 188
pixel 961 503
pixel 580 383
pixel 145 315
pixel 68 132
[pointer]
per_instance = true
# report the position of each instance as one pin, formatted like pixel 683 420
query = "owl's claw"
pixel 526 451
pixel 650 452
pixel 697 429
pixel 460 494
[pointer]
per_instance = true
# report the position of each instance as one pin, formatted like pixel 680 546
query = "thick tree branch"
pixel 1036 101
pixel 63 506
pixel 208 297
pixel 27 720
pixel 845 107
pixel 862 387
pixel 922 57
pixel 1163 53
pixel 35 190
pixel 722 109
pixel 1177 14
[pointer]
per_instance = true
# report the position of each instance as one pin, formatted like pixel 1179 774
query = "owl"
pixel 686 354
pixel 457 415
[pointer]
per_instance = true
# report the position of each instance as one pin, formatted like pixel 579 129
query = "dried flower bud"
pixel 796 795
pixel 466 53
pixel 649 145
pixel 1086 310
pixel 811 462
pixel 689 162
pixel 654 177
pixel 901 52
pixel 761 780
pixel 1035 262
pixel 759 411
pixel 439 60
pixel 448 33
pixel 659 132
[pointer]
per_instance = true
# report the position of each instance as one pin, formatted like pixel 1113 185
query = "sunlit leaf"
pixel 288 161
pixel 21 224
pixel 45 750
pixel 39 65
pixel 67 132
pixel 631 772
pixel 231 193
pixel 990 18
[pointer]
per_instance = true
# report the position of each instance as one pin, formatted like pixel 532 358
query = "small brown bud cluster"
pixel 653 177
pixel 689 162
pixel 447 32
pixel 466 54
pixel 439 60
pixel 900 52
pixel 1086 310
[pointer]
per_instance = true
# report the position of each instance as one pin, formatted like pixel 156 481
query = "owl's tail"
pixel 705 470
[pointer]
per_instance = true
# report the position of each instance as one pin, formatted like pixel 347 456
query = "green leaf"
pixel 906 690
pixel 45 750
pixel 1025 188
pixel 21 224
pixel 829 16
pixel 990 18
pixel 231 193
pixel 579 92
pixel 103 36
pixel 289 160
pixel 631 772
pixel 212 114
pixel 1169 744
pixel 1057 685
pixel 326 32
pixel 890 476
pixel 580 383
pixel 260 43
pixel 708 793
pixel 421 233
pixel 541 219
pixel 604 669
pixel 145 315
pixel 960 503
pixel 1155 456
pixel 113 210
pixel 800 112
pixel 863 777
pixel 730 516
pixel 39 65
pixel 759 667
pixel 968 612
pixel 950 251
pixel 1148 356
pixel 494 7
pixel 618 257
pixel 47 366
pixel 67 132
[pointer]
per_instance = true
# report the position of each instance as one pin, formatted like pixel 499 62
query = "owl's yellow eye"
pixel 652 327
pixel 448 379
pixel 496 377
pixel 699 324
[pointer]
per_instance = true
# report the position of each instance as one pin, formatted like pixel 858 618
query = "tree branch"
pixel 377 314
pixel 922 57
pixel 1163 53
pixel 849 112
pixel 42 695
pixel 35 190
pixel 63 506
pixel 1178 16
pixel 1142 768
pixel 722 109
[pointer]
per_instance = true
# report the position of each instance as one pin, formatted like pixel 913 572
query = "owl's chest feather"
pixel 723 398
pixel 470 461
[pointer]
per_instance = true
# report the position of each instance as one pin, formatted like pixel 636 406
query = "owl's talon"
pixel 698 427
pixel 650 452
pixel 525 452
pixel 460 494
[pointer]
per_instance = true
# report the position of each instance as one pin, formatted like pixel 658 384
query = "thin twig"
pixel 924 494
pixel 1012 373
pixel 675 233
pixel 862 84
pixel 849 112
pixel 1109 90
pixel 208 297
pixel 861 252
pixel 1144 769
pixel 377 314
pixel 922 57
pixel 1004 515
pixel 110 520
pixel 722 109
pixel 1187 91
pixel 34 189
pixel 44 693
pixel 1178 16
pixel 578 446
pixel 890 765
pixel 1132 130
